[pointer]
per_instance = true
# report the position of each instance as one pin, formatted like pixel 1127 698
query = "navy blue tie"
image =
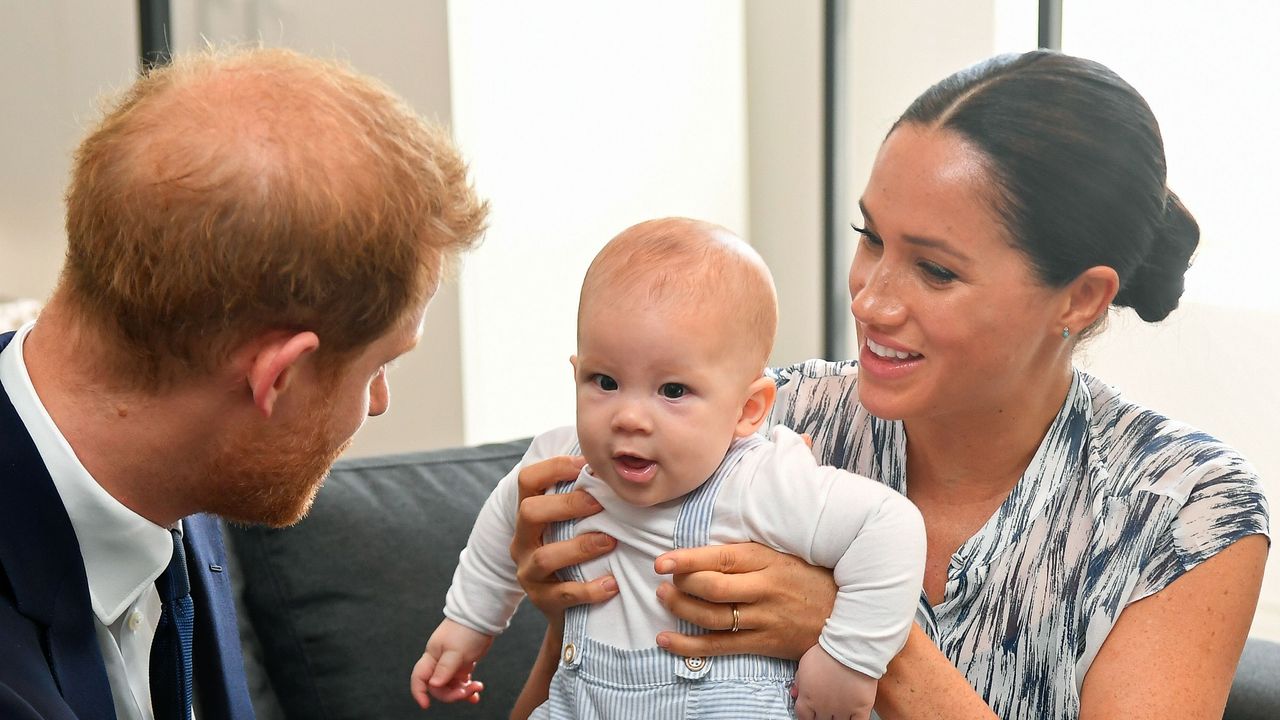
pixel 171 650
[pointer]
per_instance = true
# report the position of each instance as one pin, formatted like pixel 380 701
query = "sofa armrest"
pixel 342 603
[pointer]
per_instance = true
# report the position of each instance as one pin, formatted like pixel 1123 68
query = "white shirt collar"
pixel 123 552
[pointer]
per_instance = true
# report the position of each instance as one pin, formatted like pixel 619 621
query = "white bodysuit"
pixel 775 494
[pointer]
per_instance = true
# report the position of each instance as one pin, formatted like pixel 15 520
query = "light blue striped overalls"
pixel 595 680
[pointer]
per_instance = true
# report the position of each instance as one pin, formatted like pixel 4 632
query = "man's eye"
pixel 604 382
pixel 673 391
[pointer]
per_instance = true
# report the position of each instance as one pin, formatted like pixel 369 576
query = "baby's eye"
pixel 673 391
pixel 604 382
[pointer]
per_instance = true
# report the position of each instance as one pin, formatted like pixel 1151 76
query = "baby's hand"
pixel 444 670
pixel 824 688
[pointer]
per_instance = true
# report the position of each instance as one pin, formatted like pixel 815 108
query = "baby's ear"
pixel 760 396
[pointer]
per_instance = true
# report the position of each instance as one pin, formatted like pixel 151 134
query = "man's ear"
pixel 274 364
pixel 760 396
pixel 1088 297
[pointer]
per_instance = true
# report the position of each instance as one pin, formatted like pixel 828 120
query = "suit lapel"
pixel 42 560
pixel 219 665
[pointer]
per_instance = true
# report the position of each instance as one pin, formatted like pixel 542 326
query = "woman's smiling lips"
pixel 634 468
pixel 886 362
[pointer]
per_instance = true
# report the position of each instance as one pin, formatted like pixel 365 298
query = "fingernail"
pixel 663 591
pixel 664 641
pixel 580 461
pixel 602 541
pixel 610 585
pixel 593 504
pixel 664 566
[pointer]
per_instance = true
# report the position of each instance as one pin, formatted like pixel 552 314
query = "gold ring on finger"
pixel 736 617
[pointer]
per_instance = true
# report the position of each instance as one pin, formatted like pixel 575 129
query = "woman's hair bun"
pixel 1156 284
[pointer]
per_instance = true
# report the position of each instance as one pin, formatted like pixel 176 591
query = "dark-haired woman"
pixel 1087 557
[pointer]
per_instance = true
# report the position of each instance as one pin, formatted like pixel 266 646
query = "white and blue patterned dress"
pixel 1117 503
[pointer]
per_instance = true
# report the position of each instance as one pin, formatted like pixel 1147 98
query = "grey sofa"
pixel 335 610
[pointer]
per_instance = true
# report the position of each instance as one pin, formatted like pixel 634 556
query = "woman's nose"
pixel 876 294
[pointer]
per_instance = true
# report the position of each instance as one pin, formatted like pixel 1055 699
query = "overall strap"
pixel 575 618
pixel 693 529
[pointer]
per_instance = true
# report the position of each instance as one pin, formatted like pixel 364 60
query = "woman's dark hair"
pixel 1079 167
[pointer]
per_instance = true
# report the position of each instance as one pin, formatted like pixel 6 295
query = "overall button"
pixel 695 663
pixel 569 652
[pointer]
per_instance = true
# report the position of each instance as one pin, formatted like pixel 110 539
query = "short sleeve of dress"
pixel 1225 504
pixel 814 396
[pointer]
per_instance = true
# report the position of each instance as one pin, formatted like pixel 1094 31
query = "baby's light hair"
pixel 697 266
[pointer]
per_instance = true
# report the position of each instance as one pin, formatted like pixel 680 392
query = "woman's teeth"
pixel 889 353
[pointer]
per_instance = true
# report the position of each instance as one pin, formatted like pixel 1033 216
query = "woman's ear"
pixel 1088 297
pixel 274 364
pixel 760 396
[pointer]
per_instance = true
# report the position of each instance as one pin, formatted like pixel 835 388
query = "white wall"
pixel 403 43
pixel 784 70
pixel 1214 93
pixel 580 118
pixel 58 57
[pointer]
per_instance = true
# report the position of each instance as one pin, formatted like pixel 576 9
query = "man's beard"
pixel 263 480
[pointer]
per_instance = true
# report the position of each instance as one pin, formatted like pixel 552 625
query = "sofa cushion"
pixel 343 602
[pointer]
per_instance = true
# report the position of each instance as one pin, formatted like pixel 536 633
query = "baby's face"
pixel 659 397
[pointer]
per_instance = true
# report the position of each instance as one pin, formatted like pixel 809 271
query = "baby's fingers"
pixel 418 680
pixel 448 667
pixel 458 690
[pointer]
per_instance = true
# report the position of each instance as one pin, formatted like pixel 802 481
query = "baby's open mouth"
pixel 633 468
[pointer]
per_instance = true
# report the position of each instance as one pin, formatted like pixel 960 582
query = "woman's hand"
pixel 536 563
pixel 782 601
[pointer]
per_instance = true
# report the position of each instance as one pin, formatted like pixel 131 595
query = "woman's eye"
pixel 604 382
pixel 937 272
pixel 673 391
pixel 869 238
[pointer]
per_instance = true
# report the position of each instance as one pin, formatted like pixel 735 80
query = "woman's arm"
pixel 1174 653
pixel 1170 655
pixel 537 686
pixel 922 683
pixel 536 564
pixel 783 604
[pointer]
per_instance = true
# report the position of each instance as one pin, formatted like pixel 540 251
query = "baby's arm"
pixel 484 593
pixel 871 536
pixel 444 670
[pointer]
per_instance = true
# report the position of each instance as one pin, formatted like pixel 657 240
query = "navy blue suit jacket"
pixel 50 665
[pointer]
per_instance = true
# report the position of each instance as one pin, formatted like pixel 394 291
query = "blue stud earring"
pixel 1066 333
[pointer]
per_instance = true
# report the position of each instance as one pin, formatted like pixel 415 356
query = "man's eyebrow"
pixel 939 245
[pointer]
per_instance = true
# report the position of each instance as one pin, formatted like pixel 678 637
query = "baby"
pixel 675 324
